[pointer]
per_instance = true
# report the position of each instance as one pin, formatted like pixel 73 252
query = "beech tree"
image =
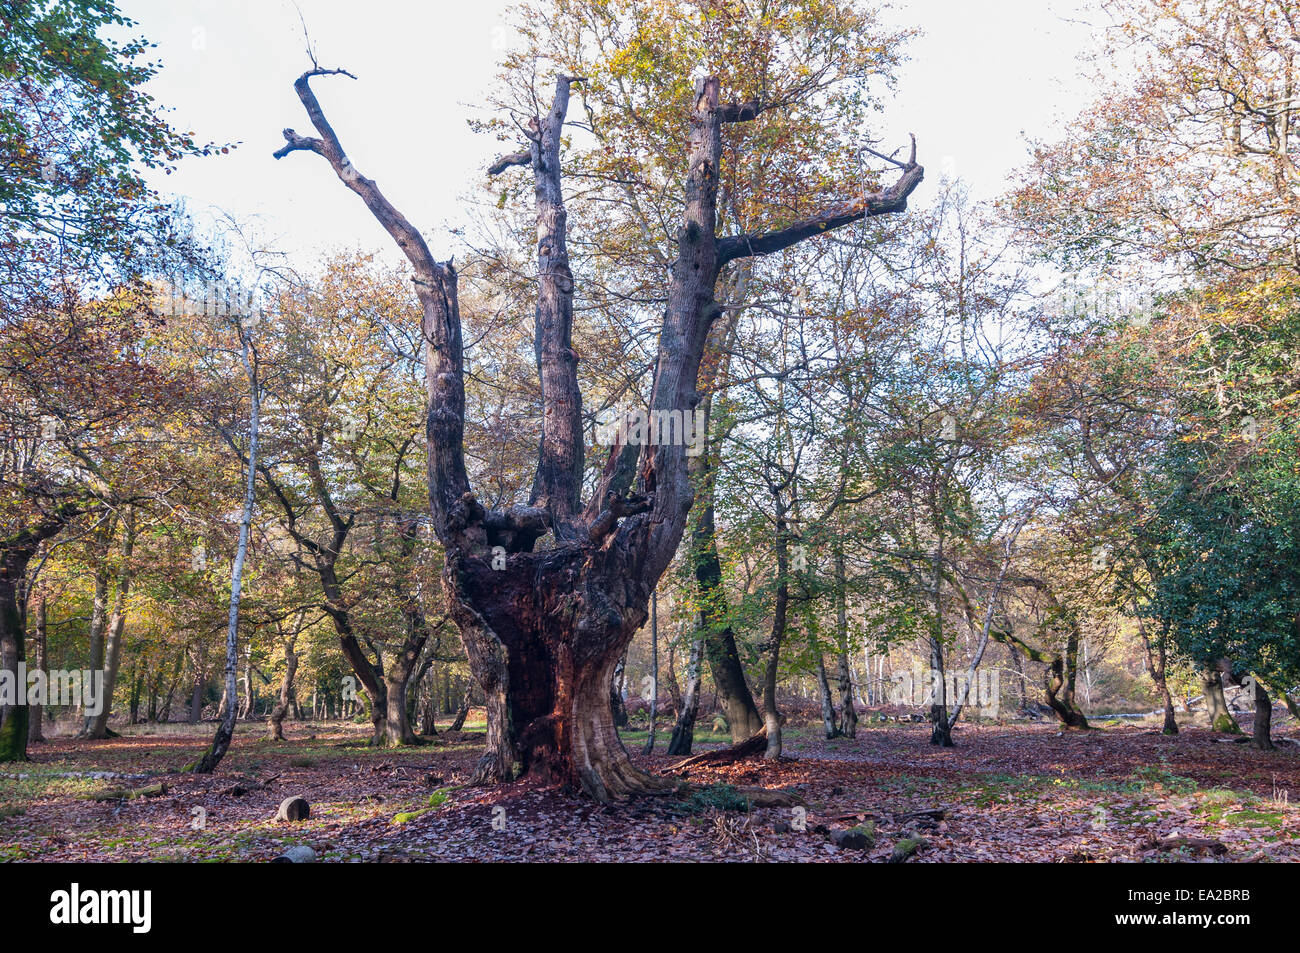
pixel 544 628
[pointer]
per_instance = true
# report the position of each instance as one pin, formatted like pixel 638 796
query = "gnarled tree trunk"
pixel 397 677
pixel 1262 731
pixel 1216 704
pixel 1060 695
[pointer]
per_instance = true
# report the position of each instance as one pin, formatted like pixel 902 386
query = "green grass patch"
pixel 637 737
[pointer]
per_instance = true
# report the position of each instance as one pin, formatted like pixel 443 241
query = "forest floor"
pixel 1022 792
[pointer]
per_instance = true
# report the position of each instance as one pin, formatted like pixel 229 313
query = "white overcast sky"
pixel 984 75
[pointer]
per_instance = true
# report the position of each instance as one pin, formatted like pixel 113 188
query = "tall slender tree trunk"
pixel 166 712
pixel 616 694
pixel 275 721
pixel 771 713
pixel 199 664
pixel 720 649
pixel 654 671
pixel 462 713
pixel 136 677
pixel 683 736
pixel 226 728
pixel 35 726
pixel 829 725
pixel 1157 659
pixel 671 680
pixel 247 706
pixel 429 714
pixel 848 709
pixel 97 725
pixel 367 672
pixel 403 662
pixel 152 682
pixel 1023 683
pixel 941 733
pixel 98 611
pixel 422 700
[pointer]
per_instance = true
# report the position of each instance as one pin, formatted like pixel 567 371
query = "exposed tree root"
pixel 617 779
pixel 753 746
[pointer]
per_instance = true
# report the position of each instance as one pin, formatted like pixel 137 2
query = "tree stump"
pixel 293 809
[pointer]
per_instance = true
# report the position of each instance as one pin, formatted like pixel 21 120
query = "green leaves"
pixel 1227 496
pixel 76 131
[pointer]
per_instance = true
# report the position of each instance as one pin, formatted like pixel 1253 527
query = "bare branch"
pixel 884 202
pixel 505 162
pixel 294 143
pixel 742 112
pixel 890 158
pixel 456 514
pixel 329 147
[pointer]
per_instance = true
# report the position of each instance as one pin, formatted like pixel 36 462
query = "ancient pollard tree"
pixel 544 633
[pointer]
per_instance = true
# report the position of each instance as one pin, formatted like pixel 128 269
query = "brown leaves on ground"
pixel 1017 793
